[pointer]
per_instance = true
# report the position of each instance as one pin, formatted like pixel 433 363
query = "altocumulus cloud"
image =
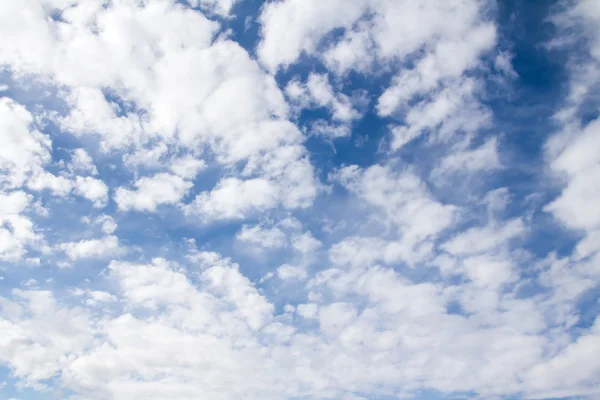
pixel 299 199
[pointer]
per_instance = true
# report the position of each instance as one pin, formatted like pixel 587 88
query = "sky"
pixel 299 199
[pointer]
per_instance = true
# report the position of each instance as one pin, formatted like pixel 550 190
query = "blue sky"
pixel 299 199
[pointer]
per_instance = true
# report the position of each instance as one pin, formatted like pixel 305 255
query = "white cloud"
pixel 220 322
pixel 448 61
pixel 222 7
pixel 106 222
pixel 405 299
pixel 375 29
pixel 579 162
pixel 148 156
pixel 58 185
pixel 16 230
pixel 430 48
pixel 307 311
pixel 234 198
pixel 151 192
pixel 92 189
pixel 95 297
pixel 447 112
pixel 467 161
pixel 38 333
pixel 107 246
pixel 91 113
pixel 306 243
pixel 317 92
pixel 290 272
pixel 484 239
pixel 82 161
pixel 150 94
pixel 24 149
pixel 400 199
pixel 262 236
pixel 551 377
pixel 294 26
pixel 187 167
pixel 572 152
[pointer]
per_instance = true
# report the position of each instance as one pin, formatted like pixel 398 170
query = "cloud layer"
pixel 302 200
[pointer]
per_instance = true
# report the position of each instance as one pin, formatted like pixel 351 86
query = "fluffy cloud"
pixel 24 149
pixel 223 312
pixel 151 192
pixel 105 247
pixel 433 269
pixel 580 164
pixel 402 200
pixel 446 42
pixel 16 230
pixel 106 222
pixel 92 189
pixel 293 26
pixel 234 198
pixel 262 236
pixel 306 243
pixel 287 272
pixel 82 161
pixel 149 88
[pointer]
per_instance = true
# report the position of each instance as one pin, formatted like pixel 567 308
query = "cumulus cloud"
pixel 262 236
pixel 289 272
pixel 580 164
pixel 378 276
pixel 16 229
pixel 92 189
pixel 151 192
pixel 106 222
pixel 234 198
pixel 306 243
pixel 82 161
pixel 24 149
pixel 402 199
pixel 105 247
pixel 445 43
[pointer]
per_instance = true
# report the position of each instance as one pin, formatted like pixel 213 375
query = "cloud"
pixel 410 258
pixel 469 161
pixel 371 30
pixel 234 198
pixel 151 192
pixel 43 333
pixel 429 58
pixel 92 189
pixel 262 236
pixel 306 243
pixel 82 161
pixel 105 247
pixel 106 222
pixel 291 27
pixel 401 199
pixel 57 185
pixel 222 7
pixel 448 111
pixel 95 297
pixel 17 231
pixel 480 240
pixel 24 149
pixel 579 163
pixel 290 272
pixel 317 92
pixel 187 167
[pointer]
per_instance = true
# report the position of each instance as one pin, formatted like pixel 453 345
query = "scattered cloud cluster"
pixel 319 204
